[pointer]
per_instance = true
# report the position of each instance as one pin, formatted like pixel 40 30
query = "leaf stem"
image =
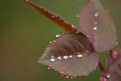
pixel 101 67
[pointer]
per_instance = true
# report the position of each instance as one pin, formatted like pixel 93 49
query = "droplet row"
pixel 52 43
pixel 78 55
pixel 95 22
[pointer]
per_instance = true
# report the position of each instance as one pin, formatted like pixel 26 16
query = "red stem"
pixel 101 67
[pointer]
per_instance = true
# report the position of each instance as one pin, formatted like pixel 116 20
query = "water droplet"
pixel 58 36
pixel 49 66
pixel 94 28
pixel 71 77
pixel 73 26
pixel 88 36
pixel 70 56
pixel 96 14
pixel 59 58
pixel 77 16
pixel 52 58
pixel 53 42
pixel 61 73
pixel 65 57
pixel 108 76
pixel 87 52
pixel 79 54
pixel 116 43
pixel 67 76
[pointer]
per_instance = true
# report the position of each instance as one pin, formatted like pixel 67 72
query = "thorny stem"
pixel 101 67
pixel 57 19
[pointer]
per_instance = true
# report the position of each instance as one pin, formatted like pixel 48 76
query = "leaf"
pixel 71 56
pixel 113 61
pixel 97 24
pixel 79 41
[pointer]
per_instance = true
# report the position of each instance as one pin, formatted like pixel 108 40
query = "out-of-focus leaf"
pixel 87 19
pixel 113 61
pixel 109 76
pixel 97 24
pixel 72 55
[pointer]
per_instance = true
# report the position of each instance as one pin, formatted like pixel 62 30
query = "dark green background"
pixel 24 35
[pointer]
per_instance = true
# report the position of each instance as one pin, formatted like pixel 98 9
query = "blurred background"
pixel 24 35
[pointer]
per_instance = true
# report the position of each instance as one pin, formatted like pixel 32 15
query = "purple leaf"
pixel 97 24
pixel 72 55
pixel 113 61
pixel 75 41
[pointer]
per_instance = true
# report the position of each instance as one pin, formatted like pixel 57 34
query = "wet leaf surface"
pixel 71 56
pixel 96 22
